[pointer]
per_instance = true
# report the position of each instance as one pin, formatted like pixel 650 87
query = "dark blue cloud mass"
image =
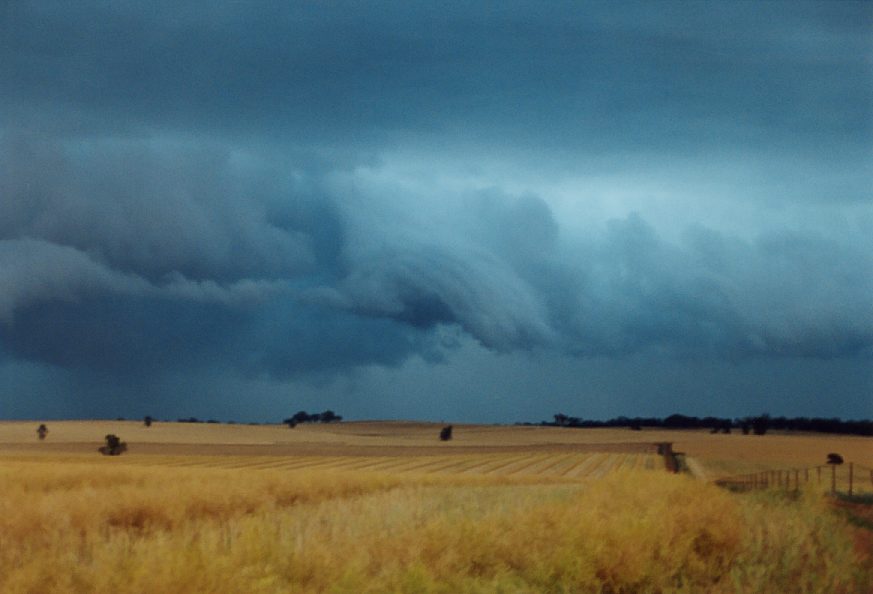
pixel 309 201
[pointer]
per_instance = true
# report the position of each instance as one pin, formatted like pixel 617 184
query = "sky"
pixel 482 212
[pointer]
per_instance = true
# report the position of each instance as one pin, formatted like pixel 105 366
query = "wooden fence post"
pixel 833 479
pixel 850 479
pixel 796 479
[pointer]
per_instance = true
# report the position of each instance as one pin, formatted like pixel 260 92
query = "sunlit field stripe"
pixel 426 465
pixel 631 462
pixel 624 462
pixel 507 467
pixel 362 463
pixel 250 461
pixel 584 469
pixel 607 467
pixel 465 464
pixel 547 468
pixel 326 462
pixel 558 462
pixel 274 464
pixel 640 461
pixel 566 462
pixel 456 464
pixel 652 462
pixel 620 461
pixel 193 462
pixel 580 461
pixel 417 464
pixel 545 461
pixel 447 464
pixel 548 464
pixel 389 464
pixel 153 461
pixel 523 467
pixel 260 462
pixel 293 463
pixel 476 465
pixel 488 465
pixel 226 462
pixel 500 465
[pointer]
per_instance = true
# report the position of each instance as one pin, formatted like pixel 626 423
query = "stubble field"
pixel 386 507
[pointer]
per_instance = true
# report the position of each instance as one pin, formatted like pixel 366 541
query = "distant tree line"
pixel 302 416
pixel 759 425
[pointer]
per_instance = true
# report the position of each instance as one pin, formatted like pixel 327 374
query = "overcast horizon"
pixel 466 212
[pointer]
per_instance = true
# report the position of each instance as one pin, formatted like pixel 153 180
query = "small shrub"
pixel 114 446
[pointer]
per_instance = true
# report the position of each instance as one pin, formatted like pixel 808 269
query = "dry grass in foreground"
pixel 119 528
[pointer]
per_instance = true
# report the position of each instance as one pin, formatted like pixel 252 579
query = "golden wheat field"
pixel 387 507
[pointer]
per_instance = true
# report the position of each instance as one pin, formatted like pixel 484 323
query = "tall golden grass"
pixel 97 527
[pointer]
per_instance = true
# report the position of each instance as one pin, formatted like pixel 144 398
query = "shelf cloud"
pixel 305 197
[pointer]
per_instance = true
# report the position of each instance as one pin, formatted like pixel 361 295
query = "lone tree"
pixel 42 431
pixel 114 446
pixel 147 421
pixel 446 433
pixel 835 459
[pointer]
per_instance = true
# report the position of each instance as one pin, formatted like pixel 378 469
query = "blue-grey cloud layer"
pixel 298 192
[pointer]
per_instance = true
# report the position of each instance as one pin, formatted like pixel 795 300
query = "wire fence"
pixel 848 478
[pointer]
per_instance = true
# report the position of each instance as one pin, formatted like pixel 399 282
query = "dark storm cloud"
pixel 345 74
pixel 298 190
pixel 150 206
pixel 710 294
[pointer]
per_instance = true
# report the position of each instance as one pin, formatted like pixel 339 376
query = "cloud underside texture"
pixel 203 264
pixel 233 191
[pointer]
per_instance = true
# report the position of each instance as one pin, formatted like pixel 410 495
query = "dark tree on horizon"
pixel 114 446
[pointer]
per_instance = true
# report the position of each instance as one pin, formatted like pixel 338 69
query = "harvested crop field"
pixel 387 507
pixel 715 455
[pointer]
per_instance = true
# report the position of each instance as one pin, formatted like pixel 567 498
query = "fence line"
pixel 857 476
